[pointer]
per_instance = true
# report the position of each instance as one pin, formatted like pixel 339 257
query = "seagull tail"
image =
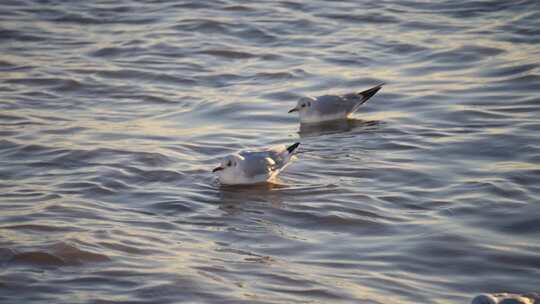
pixel 367 94
pixel 292 147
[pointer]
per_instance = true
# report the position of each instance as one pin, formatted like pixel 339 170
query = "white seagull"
pixel 251 167
pixel 332 107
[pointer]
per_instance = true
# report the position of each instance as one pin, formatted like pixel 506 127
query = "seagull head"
pixel 229 167
pixel 302 106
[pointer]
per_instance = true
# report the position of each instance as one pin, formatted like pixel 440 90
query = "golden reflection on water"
pixel 510 166
pixel 383 115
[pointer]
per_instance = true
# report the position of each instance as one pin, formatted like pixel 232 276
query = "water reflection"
pixel 235 199
pixel 337 126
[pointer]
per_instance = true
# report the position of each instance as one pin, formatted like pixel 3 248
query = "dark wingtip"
pixel 293 147
pixel 367 94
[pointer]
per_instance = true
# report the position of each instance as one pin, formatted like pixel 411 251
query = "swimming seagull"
pixel 250 167
pixel 332 107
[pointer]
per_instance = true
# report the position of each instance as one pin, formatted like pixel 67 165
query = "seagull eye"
pixel 229 164
pixel 303 106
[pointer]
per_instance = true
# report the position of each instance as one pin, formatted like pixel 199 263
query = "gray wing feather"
pixel 258 163
pixel 343 104
pixel 355 100
pixel 334 104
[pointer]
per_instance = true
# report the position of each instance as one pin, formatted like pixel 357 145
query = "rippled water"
pixel 113 113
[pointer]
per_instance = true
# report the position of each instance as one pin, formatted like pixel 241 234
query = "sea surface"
pixel 113 113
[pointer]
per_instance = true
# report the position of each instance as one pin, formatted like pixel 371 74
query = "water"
pixel 113 113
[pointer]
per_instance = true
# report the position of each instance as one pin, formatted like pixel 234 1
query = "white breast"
pixel 242 180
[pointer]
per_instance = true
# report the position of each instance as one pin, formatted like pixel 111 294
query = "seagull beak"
pixel 217 169
pixel 293 110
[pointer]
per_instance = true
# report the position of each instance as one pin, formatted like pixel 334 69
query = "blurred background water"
pixel 113 113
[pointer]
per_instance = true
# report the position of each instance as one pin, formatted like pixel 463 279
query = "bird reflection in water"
pixel 336 126
pixel 235 199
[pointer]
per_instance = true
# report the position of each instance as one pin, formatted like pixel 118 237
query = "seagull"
pixel 251 167
pixel 332 107
pixel 495 298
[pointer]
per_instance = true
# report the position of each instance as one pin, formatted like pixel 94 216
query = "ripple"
pixel 108 52
pixel 228 54
pixel 59 254
pixel 204 26
pixel 376 18
pixel 509 70
pixel 37 258
pixel 42 228
pixel 50 82
pixel 13 35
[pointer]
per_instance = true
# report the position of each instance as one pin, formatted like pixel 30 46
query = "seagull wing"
pixel 282 155
pixel 348 103
pixel 258 163
pixel 333 105
pixel 360 98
